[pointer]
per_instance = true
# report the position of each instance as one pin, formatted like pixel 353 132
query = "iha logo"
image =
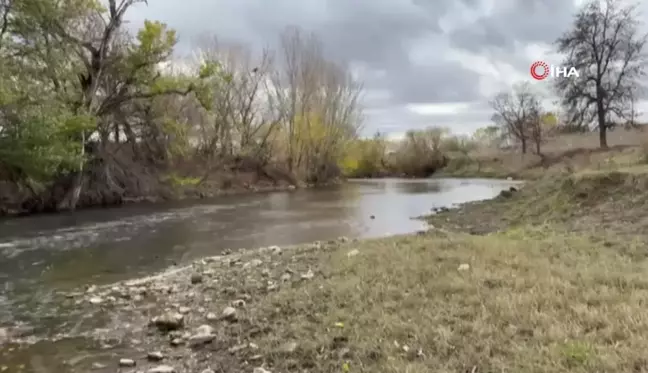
pixel 540 70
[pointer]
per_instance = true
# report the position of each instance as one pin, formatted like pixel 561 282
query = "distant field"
pixel 564 152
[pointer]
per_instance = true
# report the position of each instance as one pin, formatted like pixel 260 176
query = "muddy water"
pixel 40 255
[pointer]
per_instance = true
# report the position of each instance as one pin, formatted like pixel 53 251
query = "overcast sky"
pixel 423 62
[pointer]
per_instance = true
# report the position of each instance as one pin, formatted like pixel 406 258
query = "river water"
pixel 45 253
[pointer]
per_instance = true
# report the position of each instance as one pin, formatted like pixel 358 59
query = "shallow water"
pixel 42 254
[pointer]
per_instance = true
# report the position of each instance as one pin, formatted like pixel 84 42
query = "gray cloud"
pixel 523 21
pixel 380 35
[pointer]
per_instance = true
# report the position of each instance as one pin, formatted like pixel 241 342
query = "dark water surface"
pixel 42 254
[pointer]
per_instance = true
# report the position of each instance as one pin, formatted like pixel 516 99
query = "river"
pixel 45 253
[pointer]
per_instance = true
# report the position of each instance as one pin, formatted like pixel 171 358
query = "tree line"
pixel 93 114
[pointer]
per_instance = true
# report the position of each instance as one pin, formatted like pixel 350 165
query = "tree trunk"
pixel 603 135
pixel 524 146
pixel 71 198
pixel 538 147
pixel 601 124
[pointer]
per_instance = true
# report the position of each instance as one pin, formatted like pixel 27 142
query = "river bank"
pixel 547 279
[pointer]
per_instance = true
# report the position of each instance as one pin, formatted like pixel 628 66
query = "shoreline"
pixel 188 195
pixel 483 289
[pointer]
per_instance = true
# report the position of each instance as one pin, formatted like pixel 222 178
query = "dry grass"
pixel 537 297
pixel 530 302
pixel 572 152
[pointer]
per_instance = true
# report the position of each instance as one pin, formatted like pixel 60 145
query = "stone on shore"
pixel 229 313
pixel 168 322
pixel 126 362
pixel 162 369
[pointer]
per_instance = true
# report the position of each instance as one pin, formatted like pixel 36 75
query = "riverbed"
pixel 42 255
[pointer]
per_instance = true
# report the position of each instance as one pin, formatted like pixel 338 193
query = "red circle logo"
pixel 539 65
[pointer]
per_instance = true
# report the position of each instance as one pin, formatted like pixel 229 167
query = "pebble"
pixel 211 317
pixel 286 277
pixel 253 263
pixel 260 370
pixel 184 310
pixel 155 356
pixel 203 334
pixel 229 313
pixel 169 321
pixel 98 366
pixel 162 369
pixel 96 300
pixel 464 267
pixel 177 342
pixel 126 362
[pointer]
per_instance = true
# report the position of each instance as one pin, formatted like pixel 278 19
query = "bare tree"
pixel 605 46
pixel 317 100
pixel 518 114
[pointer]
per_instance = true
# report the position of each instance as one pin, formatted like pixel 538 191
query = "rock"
pixel 286 277
pixel 175 342
pixel 275 249
pixel 229 313
pixel 289 347
pixel 91 289
pixel 162 369
pixel 260 370
pixel 308 275
pixel 169 321
pixel 464 267
pixel 184 310
pixel 126 362
pixel 253 346
pixel 98 366
pixel 96 300
pixel 372 217
pixel 353 252
pixel 513 189
pixel 509 178
pixel 155 356
pixel 256 357
pixel 211 317
pixel 239 303
pixel 208 371
pixel 253 263
pixel 265 272
pixel 237 348
pixel 196 278
pixel 201 339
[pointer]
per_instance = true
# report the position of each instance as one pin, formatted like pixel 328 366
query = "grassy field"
pixel 557 284
pixel 563 153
